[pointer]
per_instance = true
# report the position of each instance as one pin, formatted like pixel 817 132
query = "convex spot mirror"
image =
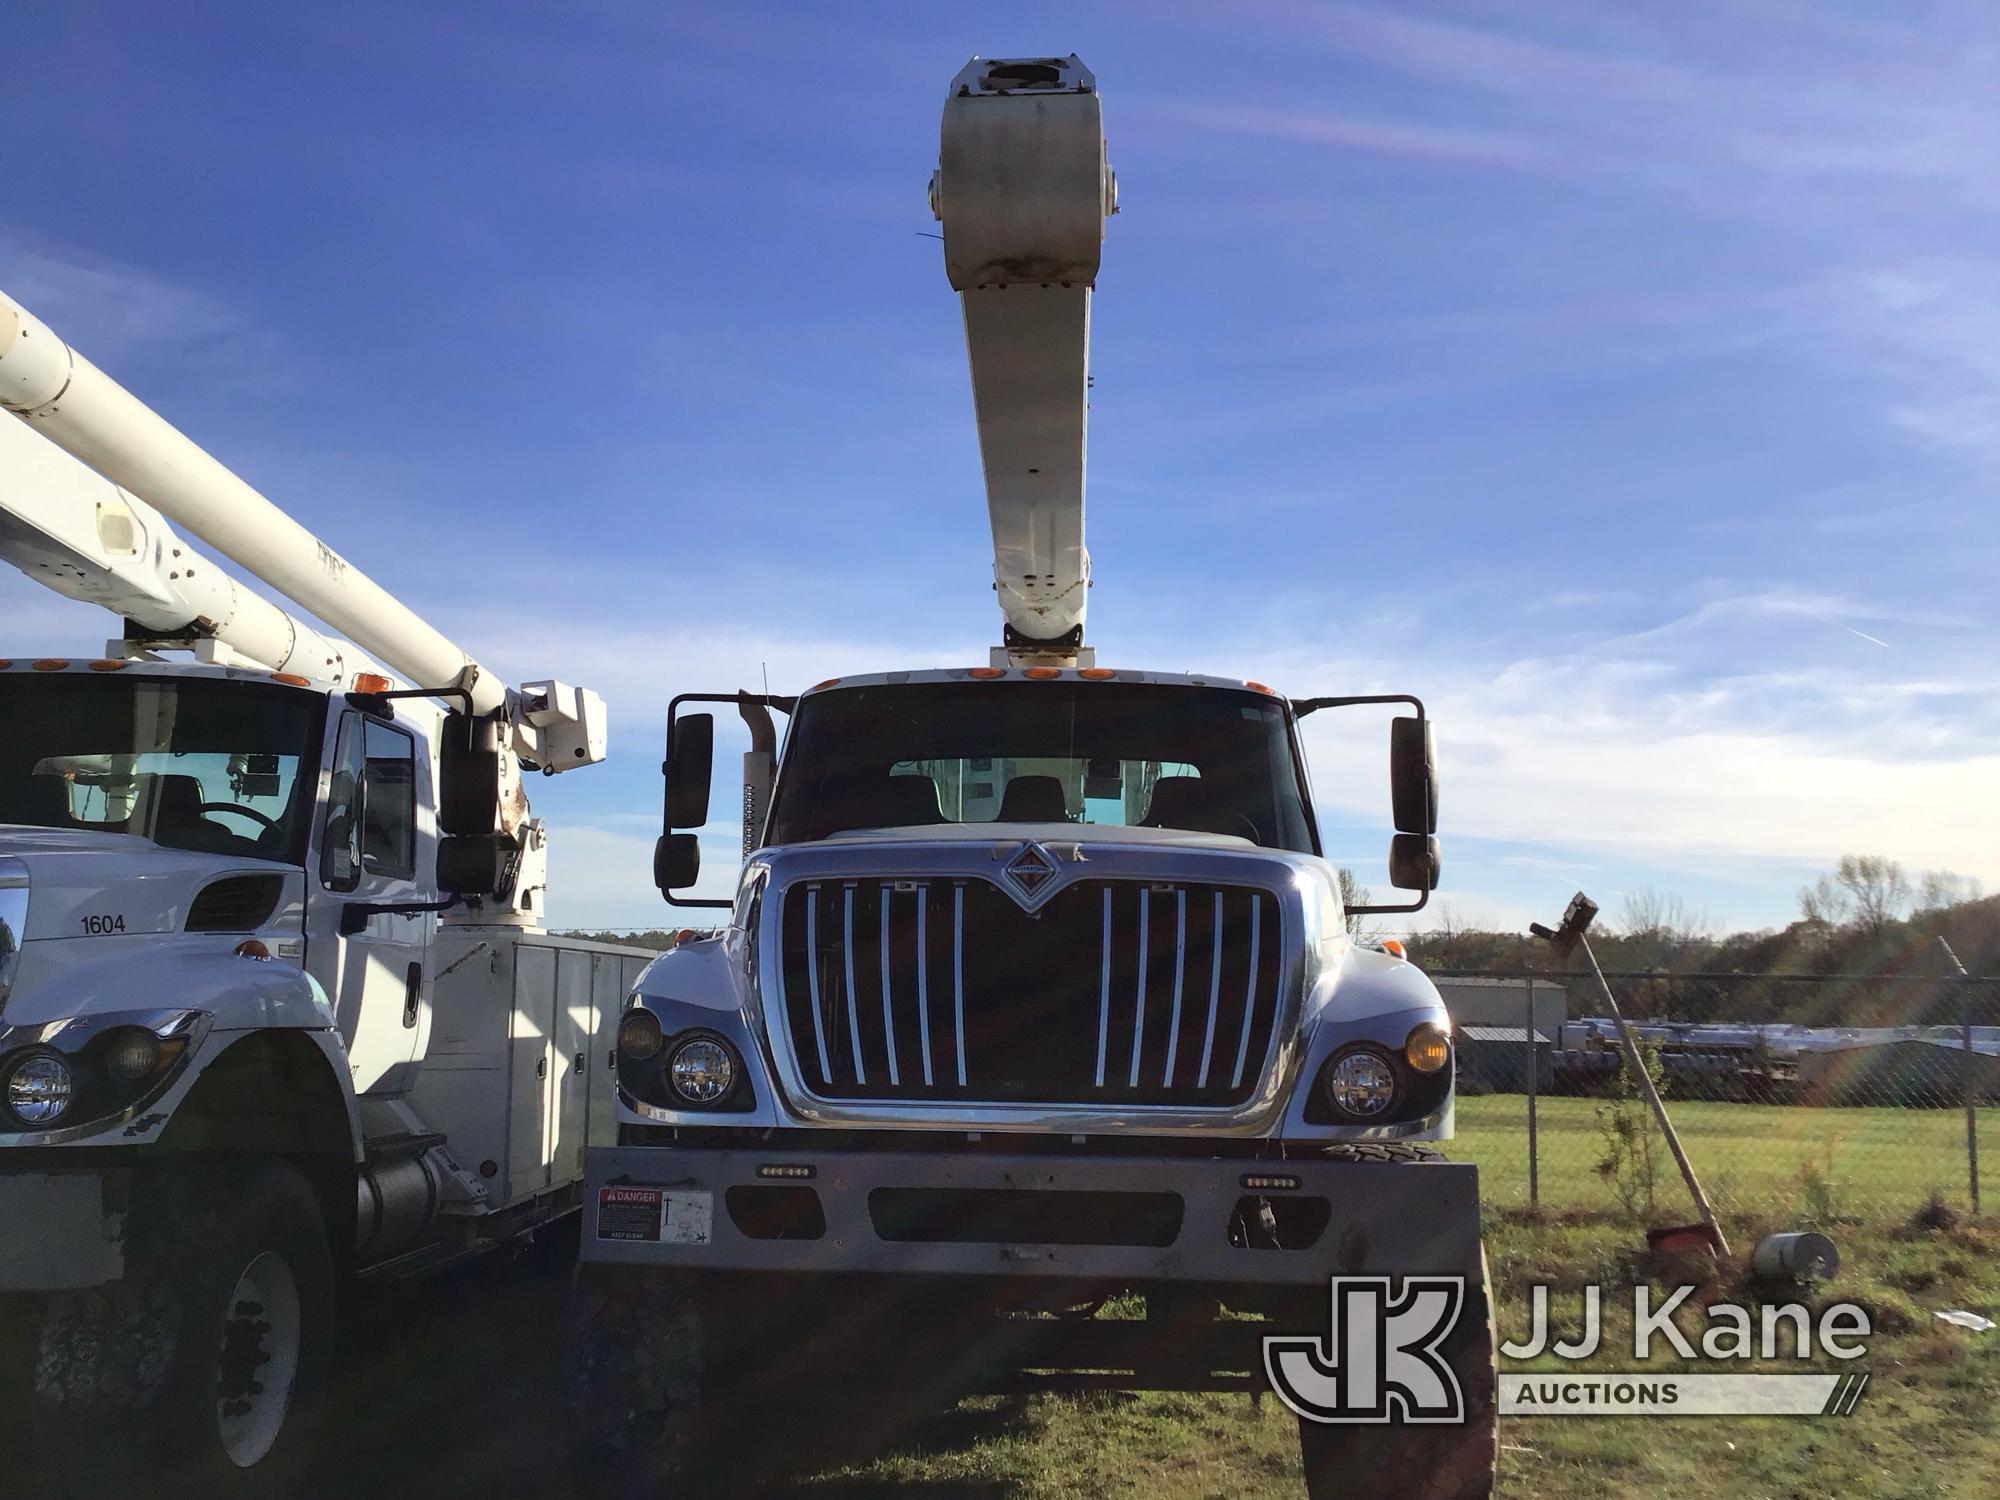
pixel 1414 862
pixel 677 861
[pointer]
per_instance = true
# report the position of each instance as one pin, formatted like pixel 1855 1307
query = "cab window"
pixel 389 803
pixel 371 816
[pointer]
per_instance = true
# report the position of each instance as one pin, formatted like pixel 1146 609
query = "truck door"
pixel 369 852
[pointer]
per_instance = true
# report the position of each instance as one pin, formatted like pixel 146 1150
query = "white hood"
pixel 83 883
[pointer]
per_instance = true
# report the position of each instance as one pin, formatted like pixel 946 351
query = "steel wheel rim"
pixel 259 1359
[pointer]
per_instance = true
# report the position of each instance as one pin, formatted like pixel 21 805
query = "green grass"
pixel 1874 1163
pixel 1929 1426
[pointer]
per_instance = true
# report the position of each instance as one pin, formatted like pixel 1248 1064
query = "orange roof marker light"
pixel 291 679
pixel 50 664
pixel 1041 674
pixel 106 664
pixel 4 665
pixel 1095 674
pixel 1258 687
pixel 371 682
pixel 830 682
pixel 987 674
pixel 1394 948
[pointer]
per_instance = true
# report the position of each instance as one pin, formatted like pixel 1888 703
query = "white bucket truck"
pixel 1037 992
pixel 276 1008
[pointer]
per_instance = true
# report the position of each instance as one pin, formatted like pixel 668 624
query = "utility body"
pixel 1036 988
pixel 276 1005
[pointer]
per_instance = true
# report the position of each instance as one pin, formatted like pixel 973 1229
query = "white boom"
pixel 102 534
pixel 70 528
pixel 1023 190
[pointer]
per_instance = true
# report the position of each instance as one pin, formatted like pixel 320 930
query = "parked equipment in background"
pixel 276 1005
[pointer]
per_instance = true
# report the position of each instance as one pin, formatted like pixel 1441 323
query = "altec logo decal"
pixel 1379 1361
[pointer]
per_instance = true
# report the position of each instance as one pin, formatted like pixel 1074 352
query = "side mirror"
pixel 1413 782
pixel 1414 861
pixel 676 861
pixel 468 776
pixel 689 766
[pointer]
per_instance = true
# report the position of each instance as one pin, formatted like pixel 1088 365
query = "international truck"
pixel 1035 1053
pixel 277 1008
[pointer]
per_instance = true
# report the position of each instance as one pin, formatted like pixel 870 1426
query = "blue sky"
pixel 1625 381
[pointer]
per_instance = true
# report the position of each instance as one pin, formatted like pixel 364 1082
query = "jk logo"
pixel 1379 1360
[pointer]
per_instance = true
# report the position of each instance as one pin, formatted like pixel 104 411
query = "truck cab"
pixel 1027 898
pixel 229 816
pixel 1036 990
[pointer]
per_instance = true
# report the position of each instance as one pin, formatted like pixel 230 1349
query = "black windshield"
pixel 1208 760
pixel 193 763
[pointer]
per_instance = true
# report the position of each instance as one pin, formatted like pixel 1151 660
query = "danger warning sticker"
pixel 628 1213
pixel 655 1215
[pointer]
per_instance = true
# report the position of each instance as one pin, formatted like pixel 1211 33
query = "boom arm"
pixel 78 533
pixel 71 533
pixel 1022 190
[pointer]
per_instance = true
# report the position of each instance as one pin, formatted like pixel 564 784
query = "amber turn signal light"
pixel 1428 1048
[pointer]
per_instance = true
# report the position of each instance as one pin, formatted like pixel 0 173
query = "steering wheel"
pixel 242 812
pixel 1250 829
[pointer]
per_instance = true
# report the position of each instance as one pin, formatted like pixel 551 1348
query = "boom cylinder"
pixel 60 394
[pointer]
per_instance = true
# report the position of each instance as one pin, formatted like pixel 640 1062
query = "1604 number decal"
pixel 96 926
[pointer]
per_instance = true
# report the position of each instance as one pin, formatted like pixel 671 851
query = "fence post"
pixel 1971 1076
pixel 1534 1070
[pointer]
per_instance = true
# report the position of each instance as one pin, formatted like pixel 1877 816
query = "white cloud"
pixel 125 317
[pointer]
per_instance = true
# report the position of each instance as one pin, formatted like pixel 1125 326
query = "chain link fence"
pixel 1813 1096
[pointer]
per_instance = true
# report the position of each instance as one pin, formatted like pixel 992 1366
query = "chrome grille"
pixel 1114 992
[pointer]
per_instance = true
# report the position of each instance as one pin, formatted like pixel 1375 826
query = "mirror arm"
pixel 1303 706
pixel 673 900
pixel 1371 911
pixel 354 915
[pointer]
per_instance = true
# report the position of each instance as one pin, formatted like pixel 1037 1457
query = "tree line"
pixel 1864 950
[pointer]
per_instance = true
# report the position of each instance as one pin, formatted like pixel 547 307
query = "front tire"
pixel 194 1373
pixel 1420 1461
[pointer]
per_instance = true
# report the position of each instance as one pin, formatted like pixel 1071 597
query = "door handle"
pixel 413 994
pixel 579 1062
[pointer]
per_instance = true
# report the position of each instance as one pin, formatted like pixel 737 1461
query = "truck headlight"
pixel 39 1089
pixel 701 1070
pixel 1361 1085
